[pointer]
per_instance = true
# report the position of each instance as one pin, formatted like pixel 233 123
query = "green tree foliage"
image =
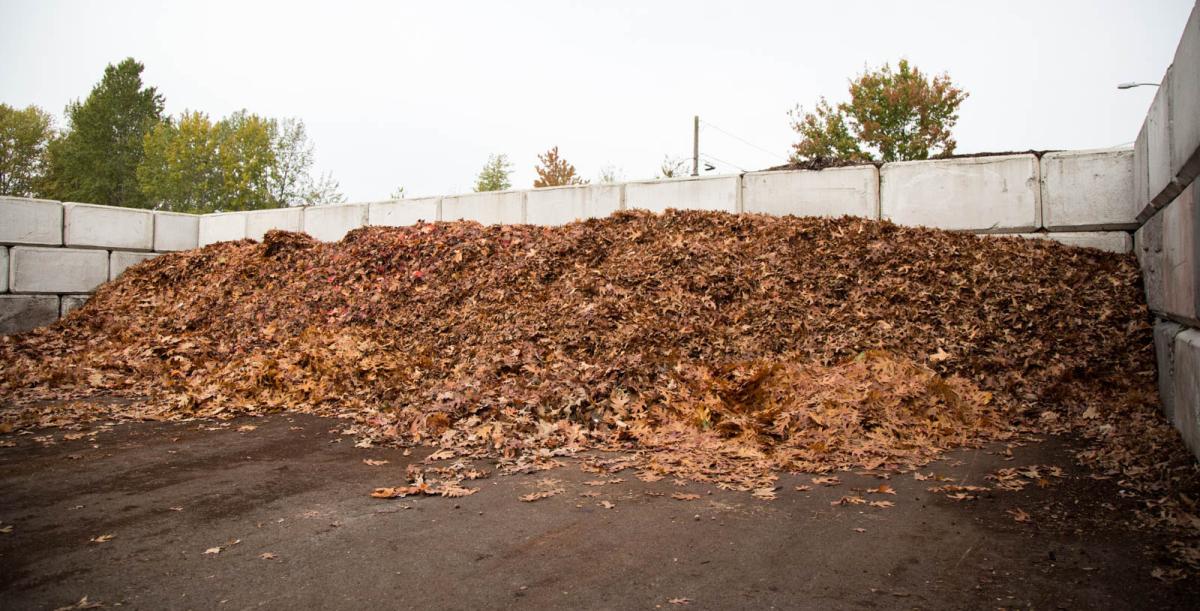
pixel 96 161
pixel 24 138
pixel 242 162
pixel 494 175
pixel 892 116
pixel 554 171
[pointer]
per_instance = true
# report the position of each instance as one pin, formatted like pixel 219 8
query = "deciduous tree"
pixel 554 171
pixel 892 116
pixel 24 137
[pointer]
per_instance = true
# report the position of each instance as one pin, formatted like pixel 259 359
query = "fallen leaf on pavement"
pixel 101 539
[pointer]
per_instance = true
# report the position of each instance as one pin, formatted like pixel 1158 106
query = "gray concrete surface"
pixel 294 488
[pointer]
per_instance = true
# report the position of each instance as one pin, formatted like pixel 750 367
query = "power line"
pixel 723 162
pixel 743 141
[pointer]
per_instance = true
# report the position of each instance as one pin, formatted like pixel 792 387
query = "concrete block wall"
pixel 1166 163
pixel 1000 194
pixel 53 254
pixel 1079 198
pixel 834 192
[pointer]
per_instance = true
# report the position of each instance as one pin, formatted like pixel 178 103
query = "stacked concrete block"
pixel 332 223
pixel 1148 244
pixel 1088 190
pixel 1161 184
pixel 718 193
pixel 31 221
pixel 221 227
pixel 20 313
pixel 834 192
pixel 1109 241
pixel 999 194
pixel 176 231
pixel 1183 103
pixel 3 269
pixel 404 212
pixel 35 269
pixel 92 226
pixel 259 222
pixel 1186 397
pixel 1164 351
pixel 1141 173
pixel 562 205
pixel 120 260
pixel 1181 257
pixel 488 208
pixel 70 303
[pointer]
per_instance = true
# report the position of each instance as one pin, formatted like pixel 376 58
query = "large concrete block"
pixel 1110 241
pixel 999 194
pixel 221 227
pixel 35 269
pixel 1186 399
pixel 176 231
pixel 31 221
pixel 703 193
pixel 488 208
pixel 1181 257
pixel 331 223
pixel 70 303
pixel 833 192
pixel 259 222
pixel 1088 190
pixel 120 260
pixel 562 205
pixel 1161 184
pixel 92 226
pixel 20 313
pixel 403 212
pixel 3 269
pixel 1183 102
pixel 1164 356
pixel 1141 174
pixel 1148 244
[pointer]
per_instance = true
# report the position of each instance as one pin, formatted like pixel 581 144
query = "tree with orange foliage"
pixel 554 171
pixel 891 116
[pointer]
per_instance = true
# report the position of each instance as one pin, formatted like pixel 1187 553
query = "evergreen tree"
pixel 96 162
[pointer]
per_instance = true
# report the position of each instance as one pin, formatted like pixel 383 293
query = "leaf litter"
pixel 703 346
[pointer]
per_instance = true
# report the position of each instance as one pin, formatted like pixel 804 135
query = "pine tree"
pixel 96 162
pixel 494 175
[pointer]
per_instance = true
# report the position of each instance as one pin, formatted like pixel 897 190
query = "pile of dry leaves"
pixel 712 346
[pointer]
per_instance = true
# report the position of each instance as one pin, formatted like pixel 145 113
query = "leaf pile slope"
pixel 781 342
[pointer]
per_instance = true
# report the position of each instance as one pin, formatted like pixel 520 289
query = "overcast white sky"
pixel 418 94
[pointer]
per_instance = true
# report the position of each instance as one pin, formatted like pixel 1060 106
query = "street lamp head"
pixel 1126 85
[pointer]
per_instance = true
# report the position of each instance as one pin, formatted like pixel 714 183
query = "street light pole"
pixel 696 145
pixel 1132 85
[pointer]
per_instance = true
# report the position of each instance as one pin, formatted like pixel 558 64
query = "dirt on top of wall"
pixel 822 164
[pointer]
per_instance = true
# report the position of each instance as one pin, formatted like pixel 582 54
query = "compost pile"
pixel 707 345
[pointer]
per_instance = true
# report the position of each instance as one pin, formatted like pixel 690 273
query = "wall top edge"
pixel 169 213
pixel 845 168
pixel 981 160
pixel 121 208
pixel 29 199
pixel 655 181
pixel 1116 150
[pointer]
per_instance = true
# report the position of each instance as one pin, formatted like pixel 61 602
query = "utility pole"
pixel 696 145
